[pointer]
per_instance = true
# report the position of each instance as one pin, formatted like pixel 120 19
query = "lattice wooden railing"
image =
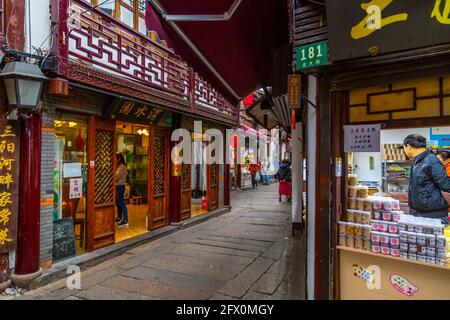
pixel 95 38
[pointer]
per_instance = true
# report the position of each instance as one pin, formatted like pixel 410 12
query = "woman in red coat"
pixel 284 177
pixel 254 169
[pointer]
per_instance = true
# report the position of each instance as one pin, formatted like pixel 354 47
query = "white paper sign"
pixel 76 188
pixel 362 138
pixel 72 170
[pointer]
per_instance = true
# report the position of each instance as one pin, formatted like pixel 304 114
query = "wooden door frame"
pixel 165 132
pixel 104 125
pixel 208 185
pixel 183 215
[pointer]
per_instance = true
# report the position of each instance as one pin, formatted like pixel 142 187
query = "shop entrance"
pixel 70 175
pixel 133 144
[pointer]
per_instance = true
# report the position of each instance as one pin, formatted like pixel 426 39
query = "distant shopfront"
pixel 83 172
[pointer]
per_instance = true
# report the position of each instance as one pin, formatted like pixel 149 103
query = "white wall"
pixel 40 24
pixel 311 169
pixel 397 136
pixel 297 172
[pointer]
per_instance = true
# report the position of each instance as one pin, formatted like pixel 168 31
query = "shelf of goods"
pixel 399 255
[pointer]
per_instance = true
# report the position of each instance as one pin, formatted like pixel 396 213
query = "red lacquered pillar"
pixel 175 181
pixel 28 238
pixel 226 185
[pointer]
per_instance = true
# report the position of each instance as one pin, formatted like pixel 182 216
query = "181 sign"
pixel 312 55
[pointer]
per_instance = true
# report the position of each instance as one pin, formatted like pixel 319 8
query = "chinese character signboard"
pixel 76 188
pixel 312 55
pixel 362 138
pixel 136 112
pixel 9 183
pixel 294 91
pixel 357 26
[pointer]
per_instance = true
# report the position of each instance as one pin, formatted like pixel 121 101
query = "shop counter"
pixel 368 276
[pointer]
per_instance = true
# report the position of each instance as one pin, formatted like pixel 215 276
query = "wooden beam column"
pixel 175 180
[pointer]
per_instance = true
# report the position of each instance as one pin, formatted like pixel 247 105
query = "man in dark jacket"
pixel 428 179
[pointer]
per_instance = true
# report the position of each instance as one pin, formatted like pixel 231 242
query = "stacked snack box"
pixel 355 231
pixel 385 238
pixel 447 238
pixel 423 239
pixel 391 152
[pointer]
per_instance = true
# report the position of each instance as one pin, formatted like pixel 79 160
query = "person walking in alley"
pixel 121 178
pixel 284 177
pixel 265 172
pixel 254 169
pixel 428 180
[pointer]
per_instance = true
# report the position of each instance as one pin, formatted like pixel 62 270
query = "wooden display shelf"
pixel 447 268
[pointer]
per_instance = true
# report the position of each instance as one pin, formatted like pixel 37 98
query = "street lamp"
pixel 23 84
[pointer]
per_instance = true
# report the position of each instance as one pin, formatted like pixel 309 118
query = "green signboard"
pixel 312 55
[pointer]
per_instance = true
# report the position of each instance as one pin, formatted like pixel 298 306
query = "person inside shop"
pixel 284 178
pixel 444 156
pixel 428 180
pixel 121 178
pixel 254 169
pixel 265 172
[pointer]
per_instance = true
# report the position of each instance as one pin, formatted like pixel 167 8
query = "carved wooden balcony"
pixel 96 49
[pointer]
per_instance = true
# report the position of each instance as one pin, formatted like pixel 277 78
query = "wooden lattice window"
pixel 213 174
pixel 159 165
pixel 104 159
pixel 186 177
pixel 129 12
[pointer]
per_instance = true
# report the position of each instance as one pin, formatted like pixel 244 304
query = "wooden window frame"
pixel 117 11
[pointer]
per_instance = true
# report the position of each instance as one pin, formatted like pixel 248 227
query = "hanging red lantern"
pixel 248 101
pixel 294 120
pixel 234 140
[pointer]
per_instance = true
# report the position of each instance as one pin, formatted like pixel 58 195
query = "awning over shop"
pixel 238 46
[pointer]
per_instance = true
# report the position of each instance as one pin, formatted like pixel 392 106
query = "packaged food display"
pixel 363 192
pixel 352 203
pixel 376 238
pixel 367 230
pixel 393 227
pixel 342 228
pixel 342 241
pixel 366 217
pixel 352 191
pixel 404 236
pixel 384 226
pixel 394 252
pixel 403 254
pixel 412 248
pixel 358 216
pixel 376 215
pixel 421 239
pixel 385 250
pixel 385 239
pixel 350 229
pixel 358 243
pixel 386 216
pixel 351 242
pixel 352 180
pixel 350 215
pixel 412 256
pixel 422 250
pixel 358 230
pixel 404 246
pixel 360 204
pixel 375 225
pixel 376 249
pixel 368 204
pixel 394 241
pixel 366 244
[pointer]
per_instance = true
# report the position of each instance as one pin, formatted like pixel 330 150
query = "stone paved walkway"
pixel 245 254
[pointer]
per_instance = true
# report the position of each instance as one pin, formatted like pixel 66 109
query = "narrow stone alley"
pixel 248 253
